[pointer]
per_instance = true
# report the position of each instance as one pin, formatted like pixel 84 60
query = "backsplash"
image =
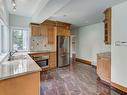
pixel 39 43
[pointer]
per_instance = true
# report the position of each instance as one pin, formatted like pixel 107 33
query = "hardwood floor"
pixel 77 79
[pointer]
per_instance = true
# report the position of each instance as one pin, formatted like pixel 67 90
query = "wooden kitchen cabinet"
pixel 35 29
pixel 104 67
pixel 44 30
pixel 48 28
pixel 63 29
pixel 28 84
pixel 51 34
pixel 39 54
pixel 107 25
pixel 52 60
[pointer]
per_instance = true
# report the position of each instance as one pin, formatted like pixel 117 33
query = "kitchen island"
pixel 20 76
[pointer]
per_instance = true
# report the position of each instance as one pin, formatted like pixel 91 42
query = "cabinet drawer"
pixel 39 54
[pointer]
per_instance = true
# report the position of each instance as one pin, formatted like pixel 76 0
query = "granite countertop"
pixel 22 65
pixel 105 54
pixel 45 51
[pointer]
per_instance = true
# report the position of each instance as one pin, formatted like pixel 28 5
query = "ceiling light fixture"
pixel 14 9
pixel 14 5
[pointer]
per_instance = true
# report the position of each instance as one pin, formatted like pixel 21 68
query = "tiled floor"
pixel 77 79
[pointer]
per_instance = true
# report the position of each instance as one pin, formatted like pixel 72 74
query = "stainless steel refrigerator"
pixel 63 51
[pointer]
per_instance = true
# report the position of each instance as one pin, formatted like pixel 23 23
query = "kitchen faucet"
pixel 10 54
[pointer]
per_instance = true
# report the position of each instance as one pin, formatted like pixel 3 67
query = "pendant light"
pixel 14 5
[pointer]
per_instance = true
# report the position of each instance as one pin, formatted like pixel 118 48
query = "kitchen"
pixel 47 46
pixel 52 47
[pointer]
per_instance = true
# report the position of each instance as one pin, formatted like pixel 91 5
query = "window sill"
pixel 3 56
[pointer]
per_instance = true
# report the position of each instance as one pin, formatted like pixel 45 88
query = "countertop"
pixel 105 54
pixel 22 65
pixel 45 51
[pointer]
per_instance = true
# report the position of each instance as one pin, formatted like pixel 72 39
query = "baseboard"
pixel 102 81
pixel 83 61
pixel 120 87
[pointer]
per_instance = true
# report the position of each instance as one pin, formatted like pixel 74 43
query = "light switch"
pixel 120 43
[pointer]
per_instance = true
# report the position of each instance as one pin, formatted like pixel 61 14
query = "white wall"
pixel 19 21
pixel 4 21
pixel 91 41
pixel 4 14
pixel 119 53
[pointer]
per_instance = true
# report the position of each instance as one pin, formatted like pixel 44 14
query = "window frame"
pixel 12 40
pixel 4 50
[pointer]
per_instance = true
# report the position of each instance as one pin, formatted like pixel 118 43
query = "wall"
pixel 4 33
pixel 19 21
pixel 119 53
pixel 4 14
pixel 90 41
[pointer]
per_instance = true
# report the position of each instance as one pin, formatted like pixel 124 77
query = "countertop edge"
pixel 18 75
pixel 38 69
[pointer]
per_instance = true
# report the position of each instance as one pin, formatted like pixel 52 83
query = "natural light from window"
pixel 4 38
pixel 20 39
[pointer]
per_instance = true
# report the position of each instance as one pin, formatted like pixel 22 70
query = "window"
pixel 20 39
pixel 4 38
pixel 0 40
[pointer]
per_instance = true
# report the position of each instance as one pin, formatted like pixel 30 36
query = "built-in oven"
pixel 42 61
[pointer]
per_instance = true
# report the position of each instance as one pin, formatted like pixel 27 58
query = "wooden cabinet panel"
pixel 35 30
pixel 52 60
pixel 51 34
pixel 107 25
pixel 63 31
pixel 48 31
pixel 39 54
pixel 28 84
pixel 104 68
pixel 44 30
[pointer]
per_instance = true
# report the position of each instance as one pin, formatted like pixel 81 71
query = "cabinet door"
pixel 51 34
pixel 35 30
pixel 44 30
pixel 63 31
pixel 104 68
pixel 52 60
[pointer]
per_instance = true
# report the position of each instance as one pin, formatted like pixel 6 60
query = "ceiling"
pixel 76 12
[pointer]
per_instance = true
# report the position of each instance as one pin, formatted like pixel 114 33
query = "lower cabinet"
pixel 104 68
pixel 52 60
pixel 28 84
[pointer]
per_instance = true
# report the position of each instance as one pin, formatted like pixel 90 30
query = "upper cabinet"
pixel 51 35
pixel 43 30
pixel 35 29
pixel 50 29
pixel 107 25
pixel 63 29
